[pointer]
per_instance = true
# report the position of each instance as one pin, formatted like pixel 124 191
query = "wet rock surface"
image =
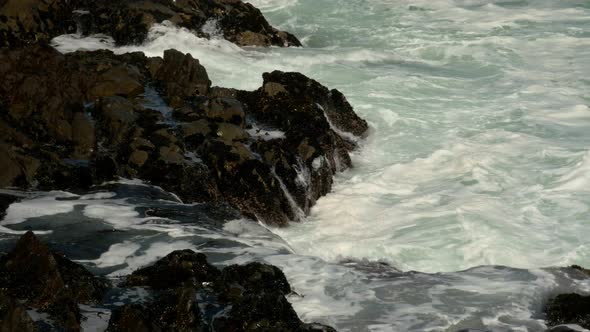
pixel 25 22
pixel 46 281
pixel 568 309
pixel 76 120
pixel 186 294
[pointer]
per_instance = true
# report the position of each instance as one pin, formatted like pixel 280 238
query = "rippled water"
pixel 478 157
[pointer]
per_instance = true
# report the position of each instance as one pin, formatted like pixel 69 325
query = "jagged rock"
pixel 251 298
pixel 255 278
pixel 568 309
pixel 48 281
pixel 14 316
pixel 28 21
pixel 173 310
pixel 229 132
pixel 17 168
pixel 296 87
pixel 82 120
pixel 117 118
pixel 129 21
pixel 182 77
pixel 226 110
pixel 320 128
pixel 174 270
pixel 177 310
pixel 247 183
pixel 131 318
pixel 200 127
pixel 31 21
pixel 122 80
pixel 83 136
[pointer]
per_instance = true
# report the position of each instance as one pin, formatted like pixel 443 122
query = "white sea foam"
pixel 42 206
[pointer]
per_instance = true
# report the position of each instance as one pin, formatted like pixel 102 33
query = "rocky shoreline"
pixel 186 293
pixel 74 121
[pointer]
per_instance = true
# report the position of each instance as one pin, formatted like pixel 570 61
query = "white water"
pixel 479 154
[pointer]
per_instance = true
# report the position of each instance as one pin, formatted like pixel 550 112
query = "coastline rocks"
pixel 90 117
pixel 47 282
pixel 24 22
pixel 186 293
pixel 568 309
pixel 250 297
pixel 14 316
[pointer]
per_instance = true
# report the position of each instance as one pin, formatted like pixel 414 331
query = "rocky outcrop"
pixel 569 312
pixel 240 298
pixel 186 292
pixel 46 281
pixel 25 22
pixel 71 121
pixel 568 309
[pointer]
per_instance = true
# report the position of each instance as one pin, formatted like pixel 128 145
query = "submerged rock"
pixel 128 21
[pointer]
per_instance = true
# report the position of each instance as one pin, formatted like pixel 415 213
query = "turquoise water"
pixel 478 157
pixel 480 115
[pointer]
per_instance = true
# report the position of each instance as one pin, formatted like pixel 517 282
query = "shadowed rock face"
pixel 568 309
pixel 251 298
pixel 46 281
pixel 186 292
pixel 25 22
pixel 71 121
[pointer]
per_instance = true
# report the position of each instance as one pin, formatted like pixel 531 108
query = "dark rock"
pixel 173 310
pixel 568 309
pixel 129 21
pixel 255 278
pixel 177 268
pixel 76 120
pixel 297 87
pixel 131 317
pixel 48 281
pixel 259 312
pixel 14 316
pixel 251 298
pixel 182 77
pixel 5 201
pixel 225 110
pixel 31 21
pixel 177 310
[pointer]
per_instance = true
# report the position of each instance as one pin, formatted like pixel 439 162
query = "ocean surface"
pixel 469 194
